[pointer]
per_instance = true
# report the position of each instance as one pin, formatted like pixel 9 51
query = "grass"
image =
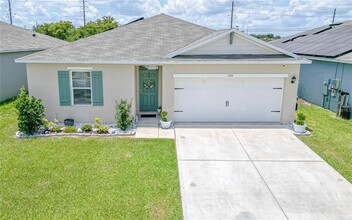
pixel 85 178
pixel 331 138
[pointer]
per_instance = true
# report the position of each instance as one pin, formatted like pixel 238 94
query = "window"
pixel 81 88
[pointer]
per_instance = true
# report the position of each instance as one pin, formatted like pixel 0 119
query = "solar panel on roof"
pixel 330 40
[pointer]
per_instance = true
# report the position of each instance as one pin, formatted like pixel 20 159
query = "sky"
pixel 280 17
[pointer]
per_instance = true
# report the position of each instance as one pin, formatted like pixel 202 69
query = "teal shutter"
pixel 64 88
pixel 97 88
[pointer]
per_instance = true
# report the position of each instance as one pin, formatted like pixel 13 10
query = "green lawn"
pixel 85 178
pixel 331 138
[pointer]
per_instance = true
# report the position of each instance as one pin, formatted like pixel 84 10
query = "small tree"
pixel 123 117
pixel 30 113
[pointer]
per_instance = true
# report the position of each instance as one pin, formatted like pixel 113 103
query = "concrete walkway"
pixel 154 131
pixel 228 172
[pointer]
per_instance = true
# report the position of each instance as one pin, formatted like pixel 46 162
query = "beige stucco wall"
pixel 290 90
pixel 118 83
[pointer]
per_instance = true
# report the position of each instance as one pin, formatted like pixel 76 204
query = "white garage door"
pixel 228 98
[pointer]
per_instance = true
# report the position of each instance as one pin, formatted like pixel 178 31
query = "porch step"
pixel 149 121
pixel 148 114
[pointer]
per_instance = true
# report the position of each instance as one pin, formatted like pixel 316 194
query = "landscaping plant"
pixel 101 129
pixel 30 113
pixel 123 117
pixel 97 122
pixel 300 118
pixel 87 128
pixel 56 128
pixel 70 129
pixel 163 115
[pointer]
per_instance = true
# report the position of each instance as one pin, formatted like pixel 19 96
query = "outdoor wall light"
pixel 293 79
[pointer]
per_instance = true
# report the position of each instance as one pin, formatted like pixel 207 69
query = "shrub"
pixel 163 115
pixel 103 129
pixel 97 122
pixel 56 128
pixel 70 129
pixel 30 113
pixel 300 118
pixel 87 128
pixel 123 117
pixel 46 124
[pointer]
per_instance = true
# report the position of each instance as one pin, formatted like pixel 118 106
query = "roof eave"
pixel 24 50
pixel 328 59
pixel 161 62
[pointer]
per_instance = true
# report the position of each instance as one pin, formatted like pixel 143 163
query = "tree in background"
pixel 65 30
pixel 266 37
pixel 61 30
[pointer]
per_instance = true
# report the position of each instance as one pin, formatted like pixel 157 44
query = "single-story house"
pixel 195 73
pixel 330 74
pixel 16 42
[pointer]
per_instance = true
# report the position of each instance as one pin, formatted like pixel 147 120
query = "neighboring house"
pixel 330 49
pixel 17 42
pixel 194 73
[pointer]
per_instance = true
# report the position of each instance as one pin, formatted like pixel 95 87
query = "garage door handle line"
pixel 275 111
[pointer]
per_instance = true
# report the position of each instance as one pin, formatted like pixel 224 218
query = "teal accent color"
pixel 148 87
pixel 232 34
pixel 64 88
pixel 97 88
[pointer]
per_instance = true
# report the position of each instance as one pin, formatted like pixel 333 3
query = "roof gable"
pixel 220 43
pixel 14 39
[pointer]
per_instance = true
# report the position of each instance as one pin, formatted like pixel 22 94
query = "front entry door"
pixel 148 89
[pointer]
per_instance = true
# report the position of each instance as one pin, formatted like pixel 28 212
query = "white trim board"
pixel 79 68
pixel 201 75
pixel 335 60
pixel 205 62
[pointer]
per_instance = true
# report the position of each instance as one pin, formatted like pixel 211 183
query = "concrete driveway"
pixel 262 173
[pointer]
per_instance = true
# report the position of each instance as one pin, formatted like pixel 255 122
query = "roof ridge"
pixel 183 21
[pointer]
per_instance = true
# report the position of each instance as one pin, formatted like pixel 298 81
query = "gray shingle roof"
pixel 148 40
pixel 15 38
pixel 326 41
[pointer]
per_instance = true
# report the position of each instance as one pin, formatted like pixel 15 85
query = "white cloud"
pixel 281 17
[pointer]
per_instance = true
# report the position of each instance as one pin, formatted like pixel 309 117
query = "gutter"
pixel 335 60
pixel 299 61
pixel 23 50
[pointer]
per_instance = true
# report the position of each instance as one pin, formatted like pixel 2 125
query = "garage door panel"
pixel 223 99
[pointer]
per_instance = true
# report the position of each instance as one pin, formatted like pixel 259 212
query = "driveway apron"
pixel 231 173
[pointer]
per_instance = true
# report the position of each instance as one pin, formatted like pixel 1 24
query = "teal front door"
pixel 148 89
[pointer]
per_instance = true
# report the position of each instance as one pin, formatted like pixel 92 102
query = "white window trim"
pixel 71 87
